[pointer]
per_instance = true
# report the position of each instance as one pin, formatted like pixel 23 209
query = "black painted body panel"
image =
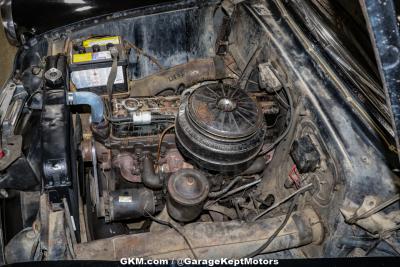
pixel 39 16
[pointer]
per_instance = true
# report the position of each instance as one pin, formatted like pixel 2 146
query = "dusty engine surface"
pixel 154 144
pixel 196 129
pixel 143 116
pixel 188 144
pixel 221 128
pixel 174 149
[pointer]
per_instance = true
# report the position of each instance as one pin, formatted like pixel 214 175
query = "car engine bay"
pixel 185 132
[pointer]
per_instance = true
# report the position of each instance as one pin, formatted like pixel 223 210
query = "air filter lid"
pixel 224 111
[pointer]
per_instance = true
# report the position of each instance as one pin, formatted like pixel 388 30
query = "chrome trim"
pixel 8 22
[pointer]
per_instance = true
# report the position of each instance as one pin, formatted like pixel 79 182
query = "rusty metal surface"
pixel 185 75
pixel 162 104
pixel 86 149
pixel 57 242
pixel 129 167
pixel 173 161
pixel 231 239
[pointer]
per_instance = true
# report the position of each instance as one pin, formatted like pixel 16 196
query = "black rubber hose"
pixel 149 177
pixel 226 189
pixel 256 167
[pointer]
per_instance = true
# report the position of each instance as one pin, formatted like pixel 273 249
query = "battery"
pixel 90 64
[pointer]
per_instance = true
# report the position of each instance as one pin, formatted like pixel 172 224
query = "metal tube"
pixel 231 239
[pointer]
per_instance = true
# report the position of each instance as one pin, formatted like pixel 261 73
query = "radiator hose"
pixel 99 124
pixel 88 98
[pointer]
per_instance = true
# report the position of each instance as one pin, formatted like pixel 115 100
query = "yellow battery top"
pixel 101 41
pixel 79 58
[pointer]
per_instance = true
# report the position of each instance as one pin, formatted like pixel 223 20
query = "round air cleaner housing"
pixel 220 127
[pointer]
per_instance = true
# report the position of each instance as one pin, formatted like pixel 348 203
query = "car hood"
pixel 24 19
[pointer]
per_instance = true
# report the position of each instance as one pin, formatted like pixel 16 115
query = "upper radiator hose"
pixel 88 98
